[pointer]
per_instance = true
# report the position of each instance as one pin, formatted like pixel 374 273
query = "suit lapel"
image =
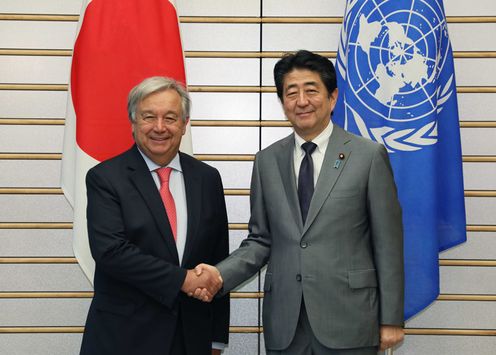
pixel 332 167
pixel 143 181
pixel 193 187
pixel 286 169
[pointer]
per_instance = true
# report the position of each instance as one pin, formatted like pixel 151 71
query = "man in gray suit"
pixel 326 220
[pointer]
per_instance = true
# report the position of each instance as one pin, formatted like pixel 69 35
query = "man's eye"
pixel 170 119
pixel 149 117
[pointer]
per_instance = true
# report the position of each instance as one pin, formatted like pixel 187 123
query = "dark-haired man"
pixel 326 220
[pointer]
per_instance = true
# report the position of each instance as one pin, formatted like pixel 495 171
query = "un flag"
pixel 397 86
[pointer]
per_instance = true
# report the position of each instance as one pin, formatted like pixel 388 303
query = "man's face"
pixel 306 102
pixel 159 127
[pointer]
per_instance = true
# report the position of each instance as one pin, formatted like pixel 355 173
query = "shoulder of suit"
pixel 189 161
pixel 117 161
pixel 360 141
pixel 284 143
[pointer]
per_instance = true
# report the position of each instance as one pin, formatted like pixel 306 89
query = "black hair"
pixel 305 60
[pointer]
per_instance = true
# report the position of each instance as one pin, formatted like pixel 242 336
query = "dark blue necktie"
pixel 305 179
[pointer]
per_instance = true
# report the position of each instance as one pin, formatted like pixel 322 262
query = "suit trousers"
pixel 305 342
pixel 178 346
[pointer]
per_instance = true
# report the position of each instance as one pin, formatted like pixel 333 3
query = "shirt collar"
pixel 321 140
pixel 175 163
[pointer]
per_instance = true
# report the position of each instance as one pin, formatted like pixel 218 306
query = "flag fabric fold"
pixel 397 86
pixel 119 43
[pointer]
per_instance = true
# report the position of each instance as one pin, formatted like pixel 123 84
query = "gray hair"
pixel 151 86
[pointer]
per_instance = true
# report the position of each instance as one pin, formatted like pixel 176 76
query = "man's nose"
pixel 160 125
pixel 302 99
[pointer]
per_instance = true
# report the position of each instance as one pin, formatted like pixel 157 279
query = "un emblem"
pixel 392 60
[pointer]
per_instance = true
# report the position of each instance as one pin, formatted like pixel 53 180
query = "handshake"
pixel 203 282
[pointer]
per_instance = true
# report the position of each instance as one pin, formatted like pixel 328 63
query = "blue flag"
pixel 397 86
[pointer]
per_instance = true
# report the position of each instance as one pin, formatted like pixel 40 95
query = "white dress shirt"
pixel 178 191
pixel 322 140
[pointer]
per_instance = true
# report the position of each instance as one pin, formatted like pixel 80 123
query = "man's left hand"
pixel 390 336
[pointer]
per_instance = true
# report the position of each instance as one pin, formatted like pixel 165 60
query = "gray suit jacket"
pixel 346 261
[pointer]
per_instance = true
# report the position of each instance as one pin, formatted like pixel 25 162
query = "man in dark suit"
pixel 326 220
pixel 153 214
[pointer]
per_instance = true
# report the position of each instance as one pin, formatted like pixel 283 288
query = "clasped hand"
pixel 203 282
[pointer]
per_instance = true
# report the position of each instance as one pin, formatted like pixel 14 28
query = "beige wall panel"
pixel 36 242
pixel 291 37
pixel 457 314
pixel 474 8
pixel 235 174
pixel 447 345
pixel 218 7
pixel 320 8
pixel 271 107
pixel 475 71
pixel 244 312
pixel 32 104
pixel 34 208
pixel 222 71
pixel 238 209
pixel 468 280
pixel 478 141
pixel 29 173
pixel 273 134
pixel 220 37
pixel 225 140
pixel 34 312
pixel 480 210
pixel 472 36
pixel 34 69
pixel 40 344
pixel 37 34
pixel 225 106
pixel 28 139
pixel 41 278
pixel 479 245
pixel 477 107
pixel 242 344
pixel 41 7
pixel 479 176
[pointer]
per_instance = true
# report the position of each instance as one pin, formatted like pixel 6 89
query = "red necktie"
pixel 170 206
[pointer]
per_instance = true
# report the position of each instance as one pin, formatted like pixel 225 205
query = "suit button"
pixel 303 245
pixel 298 277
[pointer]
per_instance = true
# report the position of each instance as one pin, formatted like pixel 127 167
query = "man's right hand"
pixel 203 282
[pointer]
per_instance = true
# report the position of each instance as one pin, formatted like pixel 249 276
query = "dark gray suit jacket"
pixel 346 261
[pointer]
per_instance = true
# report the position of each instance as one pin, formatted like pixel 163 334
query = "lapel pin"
pixel 337 163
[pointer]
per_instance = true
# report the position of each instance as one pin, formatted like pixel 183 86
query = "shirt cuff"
pixel 218 346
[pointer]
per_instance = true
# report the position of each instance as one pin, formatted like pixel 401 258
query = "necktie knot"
pixel 164 175
pixel 309 147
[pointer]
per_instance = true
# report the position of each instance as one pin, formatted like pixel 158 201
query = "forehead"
pixel 300 77
pixel 166 99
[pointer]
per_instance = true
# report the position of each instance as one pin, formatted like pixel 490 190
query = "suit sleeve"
pixel 116 256
pixel 221 251
pixel 387 238
pixel 254 251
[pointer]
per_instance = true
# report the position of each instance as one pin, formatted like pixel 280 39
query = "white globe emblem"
pixel 394 58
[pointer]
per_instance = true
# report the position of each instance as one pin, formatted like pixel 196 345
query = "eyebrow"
pixel 308 83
